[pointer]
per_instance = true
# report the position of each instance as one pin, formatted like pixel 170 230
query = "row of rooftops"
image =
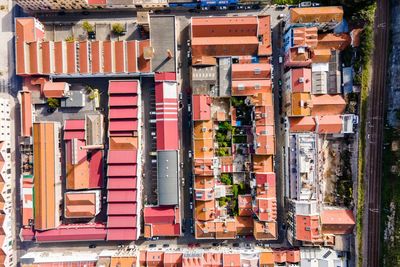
pixel 6 191
pixel 315 106
pixel 123 170
pixel 243 76
pixel 37 56
pixel 230 36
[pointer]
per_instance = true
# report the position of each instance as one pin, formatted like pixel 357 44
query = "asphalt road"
pixel 374 138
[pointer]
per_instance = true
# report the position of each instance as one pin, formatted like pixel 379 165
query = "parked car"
pixel 280 59
pixel 282 16
pixel 190 154
pixel 165 245
pixel 189 108
pixel 152 245
pixel 92 246
pixel 305 4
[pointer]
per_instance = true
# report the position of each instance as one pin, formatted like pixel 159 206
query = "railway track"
pixel 374 137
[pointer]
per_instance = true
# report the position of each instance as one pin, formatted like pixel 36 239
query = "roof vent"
pixel 301 80
pixel 301 50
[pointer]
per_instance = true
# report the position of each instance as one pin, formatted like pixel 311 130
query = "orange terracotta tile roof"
pixel 301 80
pixel 303 36
pixel 265 140
pixel 250 87
pixel 245 205
pixel 316 14
pixel 261 99
pixel 205 229
pixel 231 260
pixel 333 41
pixel 123 143
pixel 338 221
pixel 45 173
pixel 212 259
pixel 204 182
pixel 266 257
pixel 264 115
pixel 80 205
pixel 266 209
pixel 293 255
pixel 279 255
pixel 265 230
pixel 155 258
pixel 205 210
pixel 321 55
pixel 203 129
pixel 225 230
pixel 54 89
pixel 262 163
pixel 123 261
pixel 203 167
pixel 303 124
pixel 308 228
pixel 329 124
pixel 301 104
pixel 201 107
pixel 299 56
pixel 244 225
pixel 327 105
pixel 172 259
pixel 203 148
pixel 251 71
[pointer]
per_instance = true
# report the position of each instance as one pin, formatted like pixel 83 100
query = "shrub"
pixel 87 26
pixel 226 179
pixel 53 103
pixel 118 28
pixel 70 39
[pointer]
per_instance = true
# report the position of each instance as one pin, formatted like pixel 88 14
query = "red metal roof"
pixel 96 169
pixel 165 76
pixel 97 232
pixel 122 156
pixel 167 116
pixel 123 100
pixel 122 195
pixel 123 87
pixel 123 113
pixel 123 125
pixel 122 234
pixel 74 125
pixel 121 208
pixel 161 214
pixel 122 170
pixel 201 107
pixel 119 221
pixel 167 135
pixel 123 182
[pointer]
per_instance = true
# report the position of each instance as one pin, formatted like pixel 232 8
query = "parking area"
pixel 150 141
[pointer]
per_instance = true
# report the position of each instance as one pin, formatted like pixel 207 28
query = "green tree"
pixel 220 137
pixel 225 126
pixel 222 201
pixel 118 28
pixel 235 190
pixel 53 102
pixel 87 26
pixel 226 178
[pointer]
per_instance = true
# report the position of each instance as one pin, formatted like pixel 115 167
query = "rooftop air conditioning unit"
pixel 301 50
pixel 301 80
